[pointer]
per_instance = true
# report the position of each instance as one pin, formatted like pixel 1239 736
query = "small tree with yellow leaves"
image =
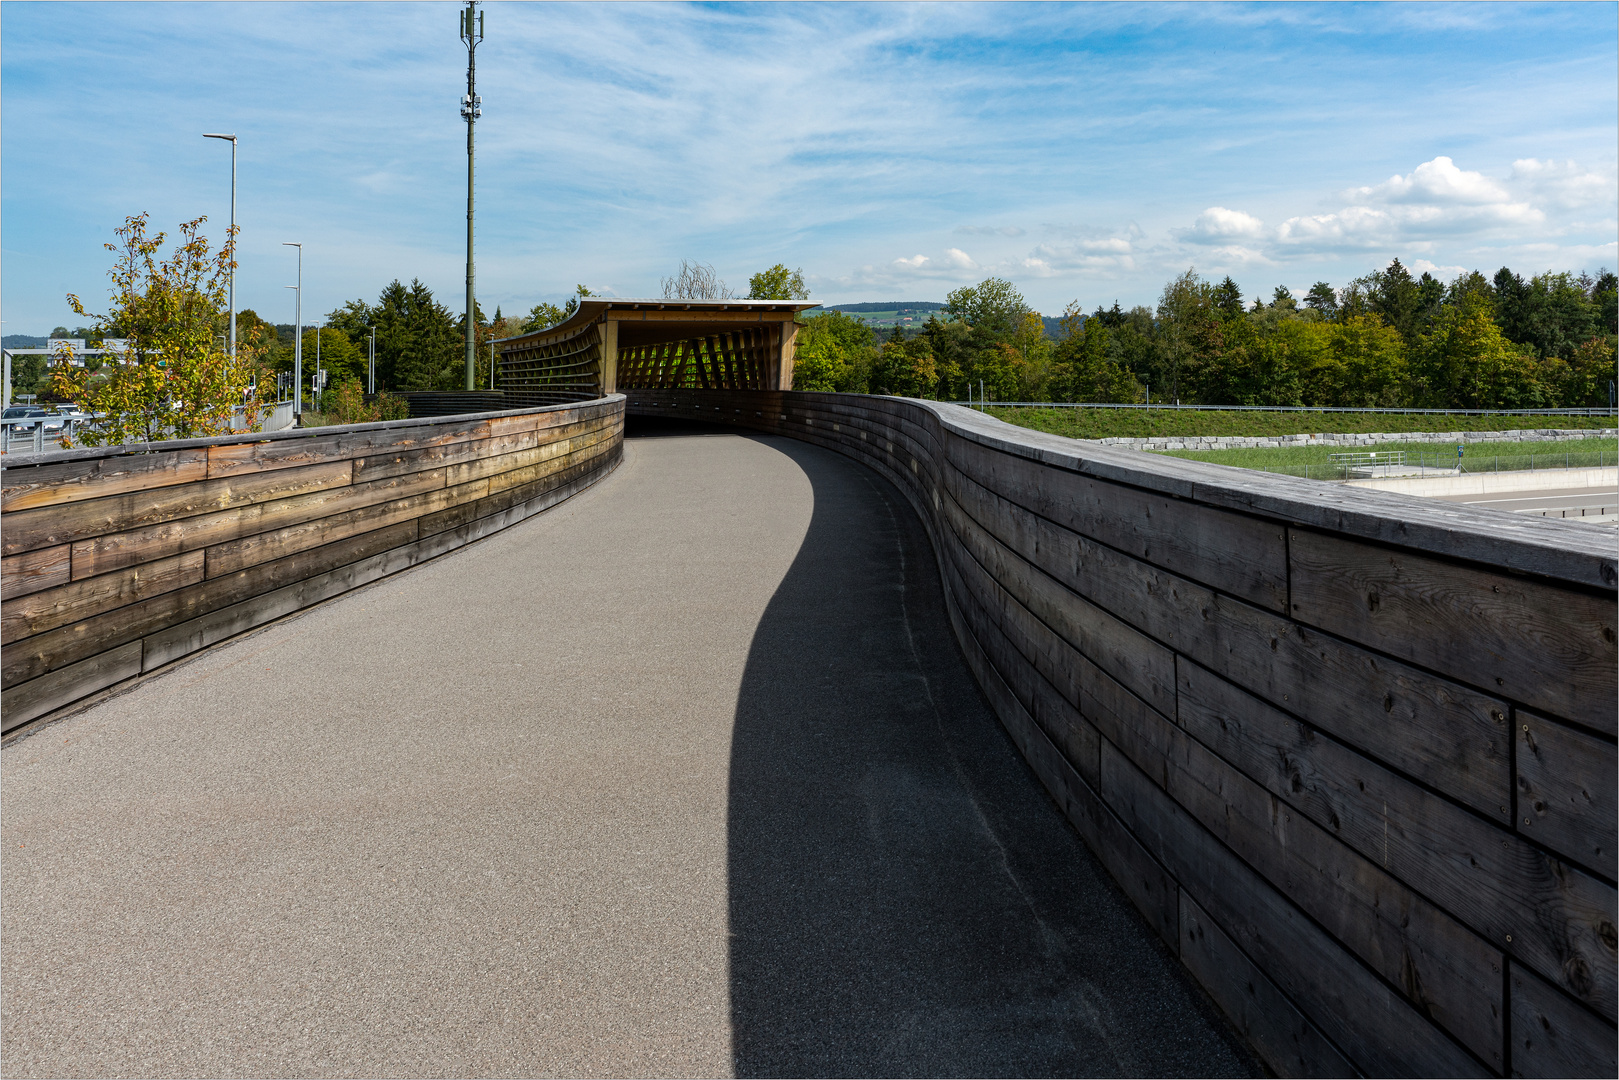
pixel 176 379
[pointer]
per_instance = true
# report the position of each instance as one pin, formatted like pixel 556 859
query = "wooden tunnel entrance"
pixel 612 345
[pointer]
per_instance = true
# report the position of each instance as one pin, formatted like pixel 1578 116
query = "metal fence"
pixel 1161 407
pixel 35 434
pixel 1418 465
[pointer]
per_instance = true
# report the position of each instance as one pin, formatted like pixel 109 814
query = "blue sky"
pixel 891 151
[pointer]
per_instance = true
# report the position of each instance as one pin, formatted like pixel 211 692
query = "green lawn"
pixel 1140 423
pixel 1481 455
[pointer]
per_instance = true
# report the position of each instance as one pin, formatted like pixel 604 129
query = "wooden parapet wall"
pixel 114 562
pixel 1351 754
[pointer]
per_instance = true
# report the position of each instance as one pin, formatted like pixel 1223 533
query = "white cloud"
pixel 1063 255
pixel 1436 205
pixel 952 265
pixel 1435 182
pixel 1563 184
pixel 1219 225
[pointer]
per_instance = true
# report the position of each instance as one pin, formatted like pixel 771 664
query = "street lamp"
pixel 298 337
pixel 232 139
pixel 371 366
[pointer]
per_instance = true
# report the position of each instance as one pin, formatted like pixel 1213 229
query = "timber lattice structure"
pixel 612 344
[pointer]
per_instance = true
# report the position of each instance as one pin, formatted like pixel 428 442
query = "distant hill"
pixel 889 305
pixel 911 314
pixel 23 341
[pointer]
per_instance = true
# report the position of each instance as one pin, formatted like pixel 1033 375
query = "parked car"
pixel 24 412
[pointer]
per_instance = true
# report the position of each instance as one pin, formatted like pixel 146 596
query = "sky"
pixel 893 152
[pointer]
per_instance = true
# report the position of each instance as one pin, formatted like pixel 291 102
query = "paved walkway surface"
pixel 684 777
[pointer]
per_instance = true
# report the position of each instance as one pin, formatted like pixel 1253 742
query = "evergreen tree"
pixel 1322 298
pixel 1394 297
pixel 1227 300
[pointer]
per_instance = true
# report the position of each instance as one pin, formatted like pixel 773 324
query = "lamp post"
pixel 471 109
pixel 232 140
pixel 371 365
pixel 298 338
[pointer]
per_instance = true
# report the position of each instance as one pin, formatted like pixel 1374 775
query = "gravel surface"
pixel 684 777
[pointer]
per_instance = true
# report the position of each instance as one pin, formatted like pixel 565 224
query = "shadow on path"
pixel 904 897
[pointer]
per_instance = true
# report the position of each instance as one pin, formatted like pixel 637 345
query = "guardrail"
pixel 38 434
pixel 1352 754
pixel 1418 465
pixel 983 406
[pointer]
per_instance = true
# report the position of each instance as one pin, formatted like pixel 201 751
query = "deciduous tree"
pixel 177 378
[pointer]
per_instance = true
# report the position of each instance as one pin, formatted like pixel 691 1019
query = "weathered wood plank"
pixel 181 639
pixel 1552 1036
pixel 1153 892
pixel 103 554
pixel 1552 648
pixel 568 470
pixel 31 571
pixel 76 601
pixel 1551 916
pixel 1008 646
pixel 1120 650
pixel 235 555
pixel 1566 791
pixel 52 649
pixel 1376 1028
pixel 511 466
pixel 1273 1025
pixel 1241 555
pixel 73 481
pixel 1446 734
pixel 33 699
pixel 43 526
pixel 1448 973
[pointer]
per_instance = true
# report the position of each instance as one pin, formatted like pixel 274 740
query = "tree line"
pixel 1387 339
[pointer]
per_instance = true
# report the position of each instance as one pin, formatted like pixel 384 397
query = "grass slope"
pixel 1577 452
pixel 1141 423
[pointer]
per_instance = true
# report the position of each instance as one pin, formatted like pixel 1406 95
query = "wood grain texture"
pixel 1153 892
pixel 1008 642
pixel 1285 1038
pixel 33 699
pixel 1447 973
pixel 42 526
pixel 1552 1036
pixel 71 481
pixel 1566 791
pixel 1549 647
pixel 235 555
pixel 76 601
pixel 47 651
pixel 101 554
pixel 31 571
pixel 1244 556
pixel 1375 1027
pixel 1446 734
pixel 1123 652
pixel 1553 917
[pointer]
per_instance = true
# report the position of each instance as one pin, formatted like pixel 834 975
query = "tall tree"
pixel 1322 298
pixel 1394 297
pixel 778 283
pixel 1186 322
pixel 1227 299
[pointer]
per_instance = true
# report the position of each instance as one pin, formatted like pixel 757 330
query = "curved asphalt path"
pixel 683 777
